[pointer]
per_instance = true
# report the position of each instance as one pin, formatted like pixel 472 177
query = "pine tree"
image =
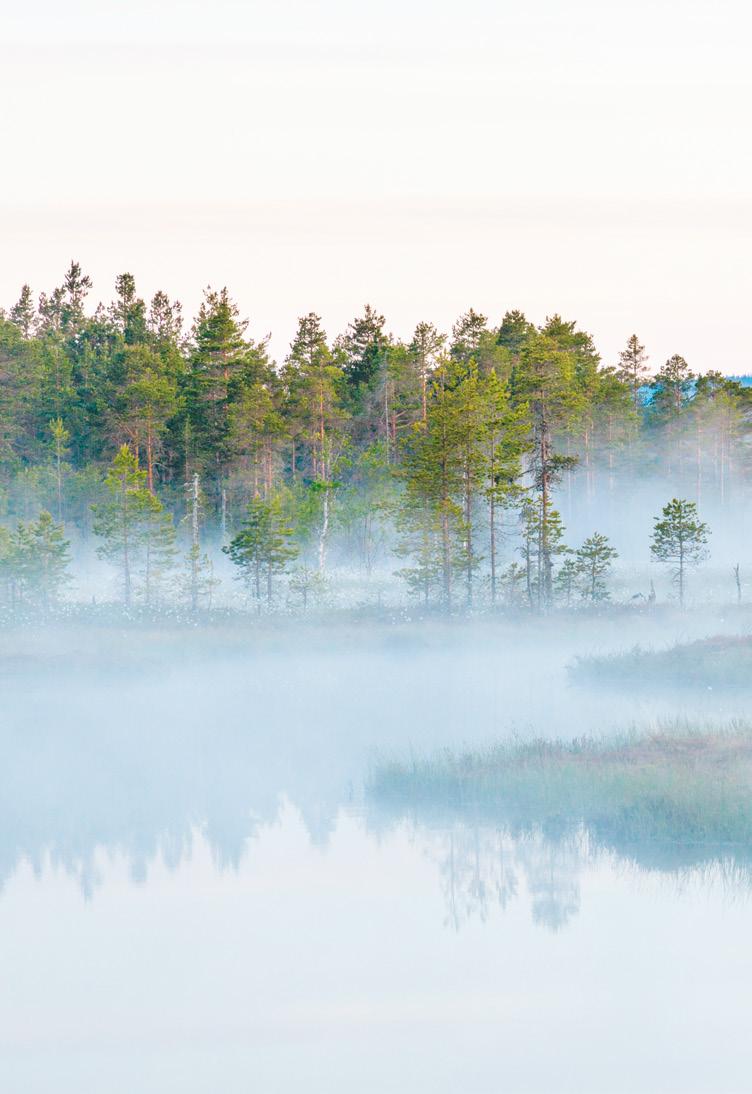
pixel 366 501
pixel 156 535
pixel 60 438
pixel 262 548
pixel 633 368
pixel 7 567
pixel 545 381
pixel 19 397
pixel 679 539
pixel 434 475
pixel 75 289
pixel 165 323
pixel 467 335
pixel 312 383
pixel 119 520
pixel 671 394
pixel 308 583
pixel 513 582
pixel 593 561
pixel 514 333
pixel 567 579
pixel 146 405
pixel 425 349
pixel 672 388
pixel 542 542
pixel 129 311
pixel 40 558
pixel 361 349
pixel 420 541
pixel 257 435
pixel 505 440
pixel 717 414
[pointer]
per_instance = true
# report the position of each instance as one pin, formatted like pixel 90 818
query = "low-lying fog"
pixel 110 742
pixel 196 895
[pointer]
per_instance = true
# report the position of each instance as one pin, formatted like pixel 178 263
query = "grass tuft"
pixel 678 792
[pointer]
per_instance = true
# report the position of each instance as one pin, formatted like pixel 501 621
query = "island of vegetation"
pixel 676 793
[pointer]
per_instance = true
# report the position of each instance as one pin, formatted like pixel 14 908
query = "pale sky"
pixel 589 158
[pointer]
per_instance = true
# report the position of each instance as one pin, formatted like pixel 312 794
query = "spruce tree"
pixel 217 362
pixel 23 312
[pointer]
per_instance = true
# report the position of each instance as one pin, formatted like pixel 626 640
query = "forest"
pixel 170 456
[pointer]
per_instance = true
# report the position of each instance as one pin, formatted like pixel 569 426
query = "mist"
pixel 370 710
pixel 204 791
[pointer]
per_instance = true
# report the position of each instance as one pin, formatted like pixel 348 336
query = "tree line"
pixel 444 454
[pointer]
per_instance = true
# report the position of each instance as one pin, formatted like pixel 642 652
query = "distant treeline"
pixel 123 422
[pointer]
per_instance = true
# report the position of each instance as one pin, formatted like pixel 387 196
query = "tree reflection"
pixel 485 869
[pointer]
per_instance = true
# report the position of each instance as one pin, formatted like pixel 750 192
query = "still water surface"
pixel 197 898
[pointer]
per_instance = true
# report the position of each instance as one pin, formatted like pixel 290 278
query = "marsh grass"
pixel 674 796
pixel 718 662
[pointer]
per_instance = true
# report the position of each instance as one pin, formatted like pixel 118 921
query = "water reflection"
pixel 483 870
pixel 144 794
pixel 137 765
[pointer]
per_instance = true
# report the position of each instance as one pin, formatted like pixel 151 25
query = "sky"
pixel 584 158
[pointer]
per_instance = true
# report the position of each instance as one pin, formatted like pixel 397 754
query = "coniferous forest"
pixel 169 456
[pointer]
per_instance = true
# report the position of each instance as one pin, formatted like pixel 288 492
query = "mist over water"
pixel 198 890
pixel 214 733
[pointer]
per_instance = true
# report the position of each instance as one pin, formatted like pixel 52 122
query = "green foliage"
pixel 449 452
pixel 366 503
pixel 542 543
pixel 679 539
pixel 122 519
pixel 633 368
pixel 567 579
pixel 157 549
pixel 307 584
pixel 672 388
pixel 34 562
pixel 592 562
pixel 312 384
pixel 361 350
pixel 262 548
pixel 197 582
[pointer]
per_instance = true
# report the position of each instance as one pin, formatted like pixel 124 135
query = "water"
pixel 197 897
